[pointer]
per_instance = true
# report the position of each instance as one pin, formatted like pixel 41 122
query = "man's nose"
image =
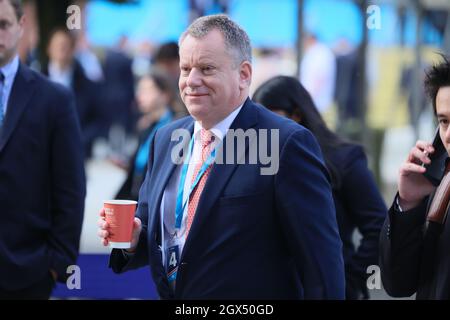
pixel 194 79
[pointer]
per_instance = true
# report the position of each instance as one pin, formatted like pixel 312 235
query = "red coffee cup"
pixel 120 216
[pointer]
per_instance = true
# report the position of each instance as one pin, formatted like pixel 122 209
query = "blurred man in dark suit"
pixel 118 92
pixel 42 182
pixel 64 69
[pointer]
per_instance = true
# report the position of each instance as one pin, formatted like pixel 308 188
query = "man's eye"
pixel 443 121
pixel 208 69
pixel 4 25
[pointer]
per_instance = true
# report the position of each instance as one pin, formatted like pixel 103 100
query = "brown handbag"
pixel 440 203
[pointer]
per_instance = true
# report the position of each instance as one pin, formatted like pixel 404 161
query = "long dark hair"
pixel 287 94
pixel 162 82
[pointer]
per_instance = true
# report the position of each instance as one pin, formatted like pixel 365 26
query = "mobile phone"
pixel 435 169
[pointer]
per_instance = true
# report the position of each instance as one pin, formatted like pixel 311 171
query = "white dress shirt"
pixel 169 199
pixel 60 76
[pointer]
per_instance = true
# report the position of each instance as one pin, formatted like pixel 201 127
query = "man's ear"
pixel 22 22
pixel 245 75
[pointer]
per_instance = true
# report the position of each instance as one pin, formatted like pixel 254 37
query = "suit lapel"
pixel 156 194
pixel 164 177
pixel 22 90
pixel 220 174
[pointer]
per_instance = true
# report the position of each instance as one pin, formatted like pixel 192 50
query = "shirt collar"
pixel 220 129
pixel 54 70
pixel 9 70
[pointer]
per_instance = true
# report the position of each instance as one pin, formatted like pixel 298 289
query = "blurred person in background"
pixel 407 81
pixel 359 205
pixel 348 92
pixel 118 92
pixel 142 58
pixel 154 96
pixel 167 60
pixel 268 63
pixel 199 8
pixel 87 58
pixel 64 69
pixel 42 181
pixel 318 72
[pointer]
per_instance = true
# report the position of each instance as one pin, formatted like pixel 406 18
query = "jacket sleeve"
pixel 121 261
pixel 307 214
pixel 401 242
pixel 68 185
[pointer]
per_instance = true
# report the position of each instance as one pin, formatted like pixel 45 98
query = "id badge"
pixel 172 256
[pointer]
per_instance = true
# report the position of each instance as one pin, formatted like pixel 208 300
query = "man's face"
pixel 211 84
pixel 60 49
pixel 443 115
pixel 10 32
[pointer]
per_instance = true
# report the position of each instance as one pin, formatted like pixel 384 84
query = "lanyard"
pixel 180 206
pixel 142 154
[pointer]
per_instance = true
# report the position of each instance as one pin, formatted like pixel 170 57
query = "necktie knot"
pixel 206 137
pixel 2 77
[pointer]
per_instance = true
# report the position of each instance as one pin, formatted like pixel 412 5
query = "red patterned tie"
pixel 206 137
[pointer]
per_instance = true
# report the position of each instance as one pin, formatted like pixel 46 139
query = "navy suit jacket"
pixel 254 236
pixel 118 92
pixel 92 112
pixel 42 183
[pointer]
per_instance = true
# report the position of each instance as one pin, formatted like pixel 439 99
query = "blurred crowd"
pixel 110 105
pixel 126 92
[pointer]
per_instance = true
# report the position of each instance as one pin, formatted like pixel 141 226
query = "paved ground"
pixel 103 181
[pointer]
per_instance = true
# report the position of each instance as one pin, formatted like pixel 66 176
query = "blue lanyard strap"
pixel 180 206
pixel 142 153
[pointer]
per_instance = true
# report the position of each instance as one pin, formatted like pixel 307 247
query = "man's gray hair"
pixel 236 39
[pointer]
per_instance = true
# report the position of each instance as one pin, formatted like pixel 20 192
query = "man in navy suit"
pixel 65 69
pixel 232 228
pixel 42 183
